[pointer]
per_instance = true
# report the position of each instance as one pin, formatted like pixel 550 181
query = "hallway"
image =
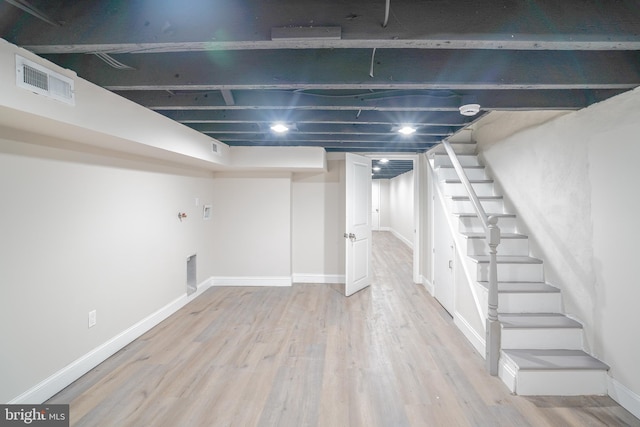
pixel 307 356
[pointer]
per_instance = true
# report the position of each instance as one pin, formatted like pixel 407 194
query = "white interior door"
pixel 358 223
pixel 443 281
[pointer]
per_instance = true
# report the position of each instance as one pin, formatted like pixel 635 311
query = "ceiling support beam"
pixel 507 42
pixel 349 69
pixel 324 139
pixel 395 100
pixel 437 118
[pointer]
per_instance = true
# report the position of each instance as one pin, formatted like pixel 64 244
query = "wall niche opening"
pixel 192 284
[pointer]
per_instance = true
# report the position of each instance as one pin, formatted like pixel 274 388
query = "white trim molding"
pixel 476 340
pixel 404 240
pixel 252 281
pixel 625 397
pixel 70 373
pixel 428 285
pixel 508 373
pixel 318 278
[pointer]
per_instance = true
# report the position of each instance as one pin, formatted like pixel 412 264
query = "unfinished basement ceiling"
pixel 332 70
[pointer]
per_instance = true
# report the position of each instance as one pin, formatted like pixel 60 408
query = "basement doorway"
pixel 395 202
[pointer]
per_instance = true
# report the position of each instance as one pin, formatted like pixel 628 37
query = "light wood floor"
pixel 307 356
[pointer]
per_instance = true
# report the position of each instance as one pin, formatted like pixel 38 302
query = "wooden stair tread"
pixel 506 259
pixel 537 321
pixel 523 287
pixel 551 360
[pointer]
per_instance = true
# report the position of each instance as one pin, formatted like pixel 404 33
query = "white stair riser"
pixel 561 383
pixel 457 189
pixel 465 160
pixel 524 302
pixel 506 247
pixel 465 206
pixel 544 338
pixel 458 148
pixel 472 173
pixel 512 272
pixel 474 225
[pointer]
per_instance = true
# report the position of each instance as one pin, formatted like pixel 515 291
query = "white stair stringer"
pixel 542 349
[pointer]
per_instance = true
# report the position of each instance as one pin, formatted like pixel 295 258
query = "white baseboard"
pixel 318 278
pixel 252 281
pixel 625 397
pixel 476 340
pixel 402 238
pixel 67 375
pixel 428 285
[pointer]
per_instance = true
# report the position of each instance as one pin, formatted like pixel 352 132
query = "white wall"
pixel 252 225
pixel 401 213
pixel 426 222
pixel 573 182
pixel 385 206
pixel 89 221
pixel 318 224
pixel 85 232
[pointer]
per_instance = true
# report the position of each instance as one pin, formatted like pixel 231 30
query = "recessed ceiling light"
pixel 376 168
pixel 407 130
pixel 383 161
pixel 279 127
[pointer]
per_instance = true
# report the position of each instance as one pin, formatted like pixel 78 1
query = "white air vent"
pixel 38 79
pixel 214 147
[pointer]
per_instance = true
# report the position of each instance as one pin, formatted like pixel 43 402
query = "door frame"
pixel 419 203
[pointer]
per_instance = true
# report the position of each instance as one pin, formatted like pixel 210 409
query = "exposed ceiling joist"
pixel 396 100
pixel 231 68
pixel 349 69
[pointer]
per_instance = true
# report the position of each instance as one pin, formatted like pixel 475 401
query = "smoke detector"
pixel 469 109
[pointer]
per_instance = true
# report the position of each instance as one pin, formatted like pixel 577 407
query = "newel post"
pixel 493 325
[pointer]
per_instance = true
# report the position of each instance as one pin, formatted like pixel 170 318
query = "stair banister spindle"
pixel 493 325
pixel 490 225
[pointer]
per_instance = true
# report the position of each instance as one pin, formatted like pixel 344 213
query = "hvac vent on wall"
pixel 38 79
pixel 214 147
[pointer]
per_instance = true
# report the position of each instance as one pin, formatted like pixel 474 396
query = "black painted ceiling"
pixel 342 74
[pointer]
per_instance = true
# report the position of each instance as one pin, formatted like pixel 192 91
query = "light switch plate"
pixel 92 318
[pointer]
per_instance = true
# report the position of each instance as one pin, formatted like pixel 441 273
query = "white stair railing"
pixel 490 224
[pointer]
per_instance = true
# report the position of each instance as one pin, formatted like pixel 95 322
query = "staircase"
pixel 541 348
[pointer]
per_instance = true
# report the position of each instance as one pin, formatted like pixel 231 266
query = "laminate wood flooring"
pixel 388 356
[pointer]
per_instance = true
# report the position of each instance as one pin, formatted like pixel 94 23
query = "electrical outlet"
pixel 92 318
